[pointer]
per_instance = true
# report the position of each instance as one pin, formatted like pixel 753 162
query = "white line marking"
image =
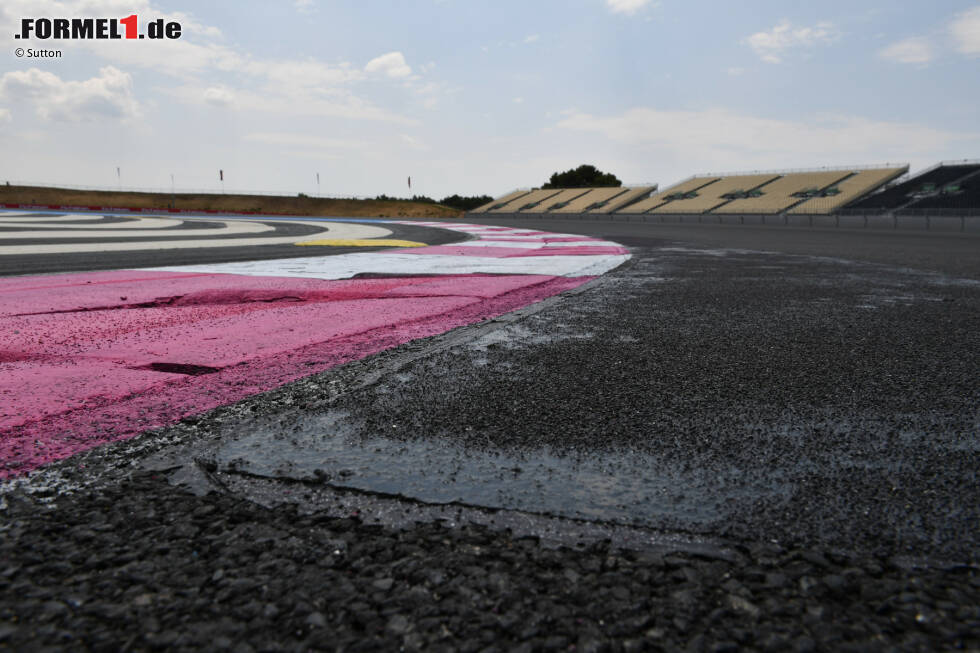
pixel 345 266
pixel 231 229
pixel 33 217
pixel 341 230
pixel 539 244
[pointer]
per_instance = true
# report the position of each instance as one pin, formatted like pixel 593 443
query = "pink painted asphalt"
pixel 71 379
pixel 91 358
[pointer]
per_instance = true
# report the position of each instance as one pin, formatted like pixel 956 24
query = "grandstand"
pixel 782 193
pixel 625 199
pixel 525 202
pixel 593 199
pixel 853 187
pixel 949 186
pixel 716 193
pixel 558 201
pixel 503 201
pixel 674 192
pixel 928 189
pixel 959 195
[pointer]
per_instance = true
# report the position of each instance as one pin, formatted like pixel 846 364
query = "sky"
pixel 482 97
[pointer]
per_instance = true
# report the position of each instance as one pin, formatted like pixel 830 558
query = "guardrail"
pixel 871 221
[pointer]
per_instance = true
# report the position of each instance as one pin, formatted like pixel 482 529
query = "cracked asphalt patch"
pixel 786 447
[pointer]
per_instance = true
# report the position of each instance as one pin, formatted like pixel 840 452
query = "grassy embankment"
pixel 233 203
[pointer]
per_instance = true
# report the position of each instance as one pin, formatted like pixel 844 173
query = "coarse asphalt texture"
pixel 779 446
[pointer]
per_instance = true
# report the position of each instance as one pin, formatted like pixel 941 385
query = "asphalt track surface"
pixel 742 439
pixel 21 264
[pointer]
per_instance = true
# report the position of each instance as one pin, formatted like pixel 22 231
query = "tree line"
pixel 584 176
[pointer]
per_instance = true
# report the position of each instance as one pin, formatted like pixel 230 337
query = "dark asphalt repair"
pixel 786 447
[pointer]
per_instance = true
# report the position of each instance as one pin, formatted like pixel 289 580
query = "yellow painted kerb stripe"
pixel 363 242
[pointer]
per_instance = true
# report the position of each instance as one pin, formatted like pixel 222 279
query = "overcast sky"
pixel 474 96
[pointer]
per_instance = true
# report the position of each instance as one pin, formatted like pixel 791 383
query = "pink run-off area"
pixel 91 358
pixel 98 357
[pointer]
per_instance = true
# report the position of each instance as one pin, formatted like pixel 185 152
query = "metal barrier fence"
pixel 965 223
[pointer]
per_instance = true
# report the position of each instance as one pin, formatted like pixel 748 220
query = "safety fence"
pixel 967 222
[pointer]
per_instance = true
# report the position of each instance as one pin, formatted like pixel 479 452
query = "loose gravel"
pixel 145 566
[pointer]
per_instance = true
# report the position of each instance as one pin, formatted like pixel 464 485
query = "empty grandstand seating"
pixel 566 200
pixel 559 200
pixel 906 193
pixel 948 186
pixel 959 195
pixel 675 191
pixel 497 203
pixel 588 201
pixel 527 201
pixel 715 194
pixel 625 199
pixel 780 194
pixel 851 188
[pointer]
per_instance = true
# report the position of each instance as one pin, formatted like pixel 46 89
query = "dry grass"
pixel 232 203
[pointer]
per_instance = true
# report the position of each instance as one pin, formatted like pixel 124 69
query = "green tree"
pixel 466 203
pixel 584 176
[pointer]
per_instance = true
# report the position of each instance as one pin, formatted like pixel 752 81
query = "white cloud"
pixel 965 30
pixel 414 143
pixel 736 71
pixel 721 137
pixel 319 102
pixel 304 6
pixel 310 141
pixel 198 58
pixel 219 96
pixel 108 96
pixel 531 38
pixel 518 100
pixel 626 6
pixel 392 64
pixel 771 45
pixel 5 116
pixel 307 73
pixel 911 51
